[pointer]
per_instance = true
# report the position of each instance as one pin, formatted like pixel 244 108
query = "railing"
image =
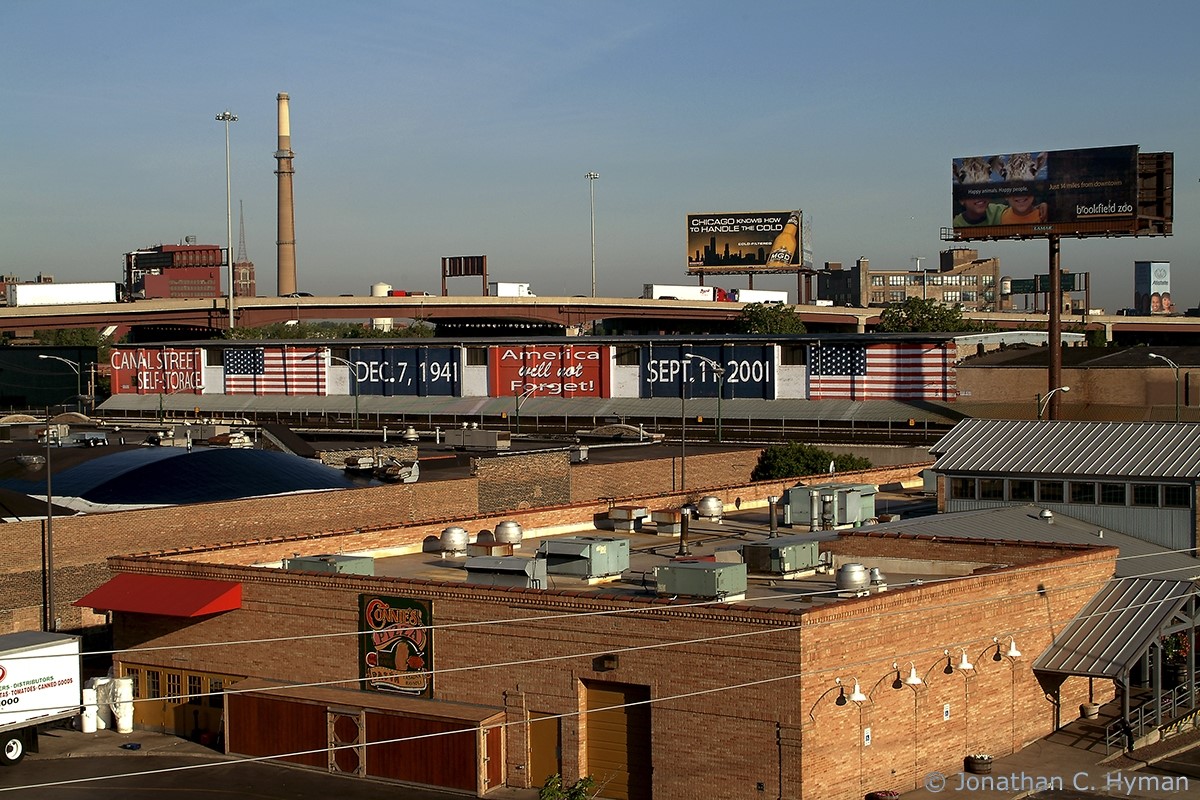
pixel 1175 702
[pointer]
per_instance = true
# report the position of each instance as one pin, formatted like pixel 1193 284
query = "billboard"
pixel 1036 194
pixel 1152 287
pixel 748 371
pixel 748 241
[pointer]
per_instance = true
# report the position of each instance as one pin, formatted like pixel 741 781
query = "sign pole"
pixel 1054 303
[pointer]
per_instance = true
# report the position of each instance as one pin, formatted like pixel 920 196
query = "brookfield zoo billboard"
pixel 1073 192
pixel 742 240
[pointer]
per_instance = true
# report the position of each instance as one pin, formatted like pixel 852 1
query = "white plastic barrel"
pixel 104 688
pixel 87 720
pixel 123 704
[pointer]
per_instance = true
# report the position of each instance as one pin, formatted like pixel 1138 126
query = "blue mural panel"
pixel 406 371
pixel 734 371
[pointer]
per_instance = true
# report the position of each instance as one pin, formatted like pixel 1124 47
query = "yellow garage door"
pixel 618 740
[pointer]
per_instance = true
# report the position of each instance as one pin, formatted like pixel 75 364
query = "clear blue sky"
pixel 426 129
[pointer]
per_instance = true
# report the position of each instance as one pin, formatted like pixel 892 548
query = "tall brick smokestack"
pixel 285 241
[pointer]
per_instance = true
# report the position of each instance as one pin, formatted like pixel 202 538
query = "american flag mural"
pixel 890 371
pixel 275 370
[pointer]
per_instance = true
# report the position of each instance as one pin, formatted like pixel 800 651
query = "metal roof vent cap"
pixel 1047 515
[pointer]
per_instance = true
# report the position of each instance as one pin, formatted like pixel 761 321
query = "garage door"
pixel 618 740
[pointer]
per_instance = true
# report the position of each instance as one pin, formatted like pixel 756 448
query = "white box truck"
pixel 39 684
pixel 510 290
pixel 662 291
pixel 759 296
pixel 60 294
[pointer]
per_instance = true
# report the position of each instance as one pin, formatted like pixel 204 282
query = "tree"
pixel 770 318
pixel 796 458
pixel 919 315
pixel 329 330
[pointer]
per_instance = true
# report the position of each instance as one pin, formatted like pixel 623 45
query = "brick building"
pixel 175 270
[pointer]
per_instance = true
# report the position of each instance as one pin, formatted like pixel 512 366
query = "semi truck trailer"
pixel 39 684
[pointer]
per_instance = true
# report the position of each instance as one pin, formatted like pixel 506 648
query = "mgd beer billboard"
pixel 743 241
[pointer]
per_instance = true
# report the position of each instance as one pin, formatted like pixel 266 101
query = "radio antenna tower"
pixel 241 251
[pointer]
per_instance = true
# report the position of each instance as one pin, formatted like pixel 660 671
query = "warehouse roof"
pixel 1034 447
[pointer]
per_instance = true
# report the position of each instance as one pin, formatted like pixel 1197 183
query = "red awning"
pixel 164 595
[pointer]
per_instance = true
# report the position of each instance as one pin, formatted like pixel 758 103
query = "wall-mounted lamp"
pixel 913 678
pixel 856 694
pixel 963 663
pixel 606 663
pixel 1012 652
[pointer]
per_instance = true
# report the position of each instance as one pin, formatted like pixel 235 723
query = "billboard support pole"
pixel 1054 306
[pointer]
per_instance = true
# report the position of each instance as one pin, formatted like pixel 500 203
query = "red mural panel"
pixel 550 371
pixel 157 370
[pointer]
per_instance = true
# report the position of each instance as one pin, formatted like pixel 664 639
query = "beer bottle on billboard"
pixel 786 244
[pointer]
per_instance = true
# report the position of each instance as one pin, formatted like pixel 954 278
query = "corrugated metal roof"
pixel 1024 447
pixel 875 411
pixel 1114 628
pixel 1023 523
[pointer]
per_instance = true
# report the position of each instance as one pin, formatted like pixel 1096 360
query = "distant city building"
pixel 202 262
pixel 961 279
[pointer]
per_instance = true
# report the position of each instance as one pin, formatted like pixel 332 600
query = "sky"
pixel 423 130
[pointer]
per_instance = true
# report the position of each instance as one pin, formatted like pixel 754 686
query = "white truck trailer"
pixel 759 296
pixel 60 294
pixel 39 684
pixel 662 291
pixel 510 290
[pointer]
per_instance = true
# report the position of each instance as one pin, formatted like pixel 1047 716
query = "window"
pixel 476 357
pixel 1083 493
pixel 878 297
pixel 989 280
pixel 173 684
pixel 971 280
pixel 1020 490
pixel 991 489
pixel 1145 494
pixel 631 356
pixel 1177 497
pixel 877 280
pixel 970 297
pixel 134 676
pixel 152 686
pixel 195 690
pixel 951 297
pixel 896 280
pixel 216 688
pixel 1112 494
pixel 1050 491
pixel 897 297
pixel 962 488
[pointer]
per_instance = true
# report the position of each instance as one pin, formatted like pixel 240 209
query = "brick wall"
pixel 742 695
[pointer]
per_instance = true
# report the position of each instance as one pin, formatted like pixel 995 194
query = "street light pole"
pixel 525 395
pixel 75 366
pixel 591 179
pixel 49 624
pixel 1044 399
pixel 719 371
pixel 354 368
pixel 227 118
pixel 1175 367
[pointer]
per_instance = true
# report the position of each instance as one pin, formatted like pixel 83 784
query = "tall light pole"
pixel 227 118
pixel 354 369
pixel 75 367
pixel 1175 367
pixel 719 371
pixel 1044 399
pixel 525 395
pixel 50 623
pixel 591 179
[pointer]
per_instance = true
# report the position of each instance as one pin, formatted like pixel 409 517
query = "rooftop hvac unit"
pixel 528 573
pixel 782 556
pixel 585 556
pixel 478 439
pixel 834 505
pixel 712 580
pixel 344 565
